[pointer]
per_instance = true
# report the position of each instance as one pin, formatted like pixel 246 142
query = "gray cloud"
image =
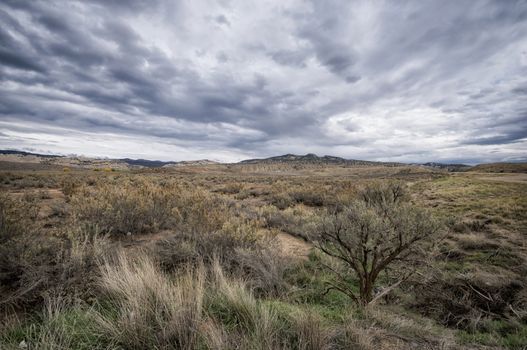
pixel 411 81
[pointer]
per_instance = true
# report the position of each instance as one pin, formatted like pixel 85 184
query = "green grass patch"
pixel 497 333
pixel 72 328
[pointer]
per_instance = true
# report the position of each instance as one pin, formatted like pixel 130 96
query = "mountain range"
pixel 15 156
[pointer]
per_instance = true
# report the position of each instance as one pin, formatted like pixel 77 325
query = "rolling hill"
pixel 500 168
pixel 313 159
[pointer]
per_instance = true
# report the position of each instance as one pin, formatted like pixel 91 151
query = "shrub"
pixel 69 186
pixel 264 268
pixel 309 197
pixel 295 221
pixel 282 200
pixel 20 248
pixel 142 206
pixel 33 265
pixel 206 246
pixel 238 248
pixel 231 188
pixel 369 235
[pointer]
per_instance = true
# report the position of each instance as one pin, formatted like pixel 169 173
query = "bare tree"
pixel 381 230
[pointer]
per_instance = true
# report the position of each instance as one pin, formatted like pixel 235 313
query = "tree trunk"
pixel 366 290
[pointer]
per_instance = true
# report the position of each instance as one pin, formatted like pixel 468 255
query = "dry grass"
pixel 153 310
pixel 216 281
pixel 195 309
pixel 312 332
pixel 235 306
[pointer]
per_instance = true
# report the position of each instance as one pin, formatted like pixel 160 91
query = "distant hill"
pixel 146 163
pixel 168 164
pixel 23 153
pixel 190 162
pixel 313 159
pixel 447 166
pixel 16 160
pixel 27 160
pixel 500 168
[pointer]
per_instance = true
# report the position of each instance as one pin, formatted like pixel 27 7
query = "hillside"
pixel 146 163
pixel 190 163
pixel 13 159
pixel 21 160
pixel 500 168
pixel 447 166
pixel 26 160
pixel 23 153
pixel 311 158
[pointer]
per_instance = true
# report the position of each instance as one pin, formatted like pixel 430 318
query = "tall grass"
pixel 235 306
pixel 198 308
pixel 311 332
pixel 188 311
pixel 152 310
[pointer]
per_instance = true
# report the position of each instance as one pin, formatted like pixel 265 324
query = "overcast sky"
pixel 410 81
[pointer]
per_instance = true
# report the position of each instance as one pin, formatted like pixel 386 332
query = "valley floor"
pixel 220 256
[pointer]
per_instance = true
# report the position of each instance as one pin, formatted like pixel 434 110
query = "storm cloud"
pixel 378 80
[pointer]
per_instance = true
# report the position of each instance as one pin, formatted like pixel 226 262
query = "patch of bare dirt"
pixel 294 246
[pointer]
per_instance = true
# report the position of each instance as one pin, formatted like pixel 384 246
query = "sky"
pixel 406 81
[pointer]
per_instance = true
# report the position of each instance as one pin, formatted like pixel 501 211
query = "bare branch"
pixel 370 235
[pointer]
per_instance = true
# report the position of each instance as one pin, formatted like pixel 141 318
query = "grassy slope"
pixel 487 242
pixel 500 168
